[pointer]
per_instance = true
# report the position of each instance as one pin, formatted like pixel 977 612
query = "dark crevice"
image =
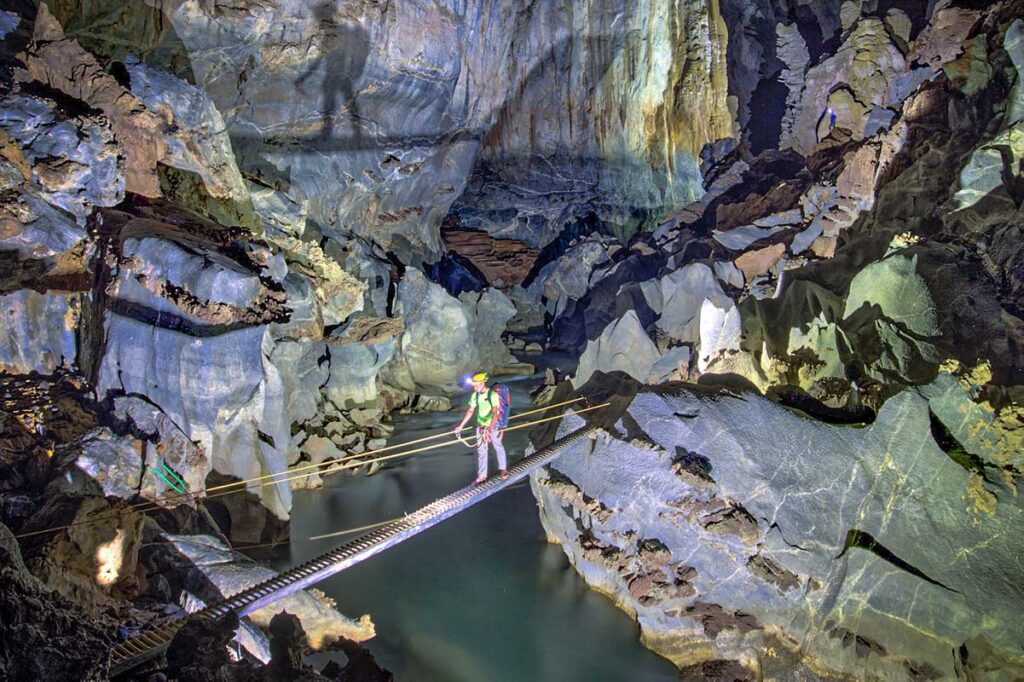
pixel 692 463
pixel 171 321
pixel 456 274
pixel 776 527
pixel 574 231
pixel 948 443
pixel 862 540
pixel 767 107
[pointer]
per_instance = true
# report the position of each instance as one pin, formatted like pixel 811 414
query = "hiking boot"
pixel 503 473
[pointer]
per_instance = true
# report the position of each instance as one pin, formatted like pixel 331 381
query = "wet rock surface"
pixel 693 511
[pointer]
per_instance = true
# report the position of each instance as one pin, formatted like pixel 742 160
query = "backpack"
pixel 504 404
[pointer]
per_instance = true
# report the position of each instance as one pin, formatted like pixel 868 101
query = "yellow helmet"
pixel 480 378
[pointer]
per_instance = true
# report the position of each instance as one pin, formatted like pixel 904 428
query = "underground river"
pixel 482 596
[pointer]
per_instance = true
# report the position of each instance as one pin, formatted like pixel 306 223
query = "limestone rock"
pixel 206 150
pixel 760 261
pixel 248 635
pixel 728 273
pixel 623 346
pixel 708 503
pixel 427 362
pixel 942 39
pixel 56 640
pixel 569 277
pixel 720 331
pixel 303 373
pixel 73 161
pixel 867 65
pixel 357 355
pixel 187 329
pixel 279 214
pixel 985 175
pixel 504 262
pixel 338 294
pixel 94 559
pixel 230 573
pixel 678 298
pixel 739 238
pixel 529 312
pixel 34 229
pixel 40 331
pixel 165 444
pixel 112 462
pixel 222 391
pixel 312 107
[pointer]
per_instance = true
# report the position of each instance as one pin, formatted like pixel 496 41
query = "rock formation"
pixel 735 529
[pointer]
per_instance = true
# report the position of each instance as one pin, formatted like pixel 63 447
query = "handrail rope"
pixel 132 652
pixel 152 505
pixel 388 448
pixel 345 462
pixel 356 465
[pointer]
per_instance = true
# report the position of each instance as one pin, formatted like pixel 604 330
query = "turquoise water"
pixel 480 597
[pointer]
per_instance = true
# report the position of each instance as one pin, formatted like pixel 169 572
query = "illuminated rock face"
pixel 377 114
pixel 735 529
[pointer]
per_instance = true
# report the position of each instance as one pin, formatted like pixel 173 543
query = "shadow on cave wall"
pixel 344 48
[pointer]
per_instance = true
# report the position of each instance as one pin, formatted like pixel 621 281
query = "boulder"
pixel 569 277
pixel 760 261
pixel 678 298
pixel 165 444
pixel 529 312
pixel 112 462
pixel 445 338
pixel 623 346
pixel 728 524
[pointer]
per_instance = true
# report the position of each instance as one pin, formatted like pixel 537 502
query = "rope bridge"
pixel 137 650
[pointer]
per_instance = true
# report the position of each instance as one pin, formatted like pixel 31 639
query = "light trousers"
pixel 481 452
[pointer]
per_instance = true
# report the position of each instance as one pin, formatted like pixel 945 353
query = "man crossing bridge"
pixel 491 407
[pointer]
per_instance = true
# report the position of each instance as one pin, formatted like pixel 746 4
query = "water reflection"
pixel 482 596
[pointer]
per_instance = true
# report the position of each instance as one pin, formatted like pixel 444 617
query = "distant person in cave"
pixel 489 408
pixel 831 119
pixel 344 47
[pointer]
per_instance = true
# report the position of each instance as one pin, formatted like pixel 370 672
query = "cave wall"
pixel 376 114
